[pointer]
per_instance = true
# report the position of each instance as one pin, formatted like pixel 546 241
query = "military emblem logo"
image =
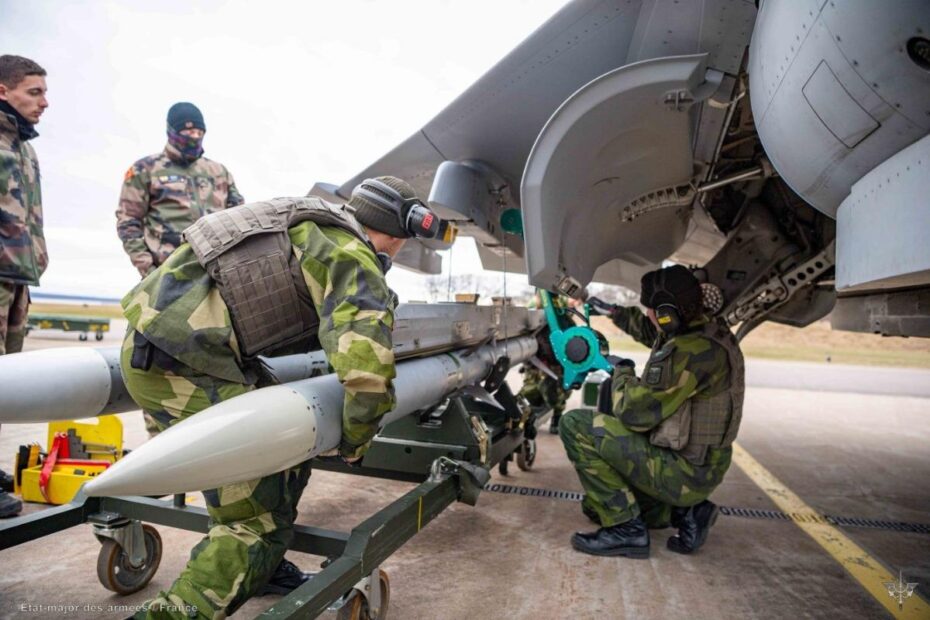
pixel 900 590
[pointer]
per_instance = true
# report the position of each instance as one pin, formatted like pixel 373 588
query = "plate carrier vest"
pixel 703 423
pixel 248 253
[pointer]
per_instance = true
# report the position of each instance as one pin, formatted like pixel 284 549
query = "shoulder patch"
pixel 653 375
pixel 129 174
pixel 664 351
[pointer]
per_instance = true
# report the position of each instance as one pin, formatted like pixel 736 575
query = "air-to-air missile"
pixel 270 429
pixel 81 382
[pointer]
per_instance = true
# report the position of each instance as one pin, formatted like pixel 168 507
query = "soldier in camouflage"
pixel 23 256
pixel 191 345
pixel 664 446
pixel 165 193
pixel 541 389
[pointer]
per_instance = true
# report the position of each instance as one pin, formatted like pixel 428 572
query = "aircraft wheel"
pixel 98 336
pixel 526 455
pixel 116 573
pixel 82 337
pixel 357 607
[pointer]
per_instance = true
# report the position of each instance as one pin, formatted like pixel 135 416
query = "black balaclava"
pixel 182 116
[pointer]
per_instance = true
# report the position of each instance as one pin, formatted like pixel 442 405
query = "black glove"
pixel 600 306
pixel 617 362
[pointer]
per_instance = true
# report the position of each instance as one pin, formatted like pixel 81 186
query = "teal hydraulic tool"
pixel 577 347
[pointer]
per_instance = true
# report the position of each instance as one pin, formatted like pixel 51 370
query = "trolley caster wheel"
pixel 116 573
pixel 82 337
pixel 357 607
pixel 98 336
pixel 526 455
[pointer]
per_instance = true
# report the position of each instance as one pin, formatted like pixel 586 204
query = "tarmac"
pixel 816 439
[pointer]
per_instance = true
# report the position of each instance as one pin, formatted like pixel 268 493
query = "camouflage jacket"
pixel 687 365
pixel 23 255
pixel 164 194
pixel 349 292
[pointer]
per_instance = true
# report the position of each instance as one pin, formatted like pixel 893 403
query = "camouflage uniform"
pixel 197 363
pixel 624 475
pixel 541 390
pixel 162 195
pixel 23 256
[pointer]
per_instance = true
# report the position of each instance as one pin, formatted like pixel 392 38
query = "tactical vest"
pixel 248 253
pixel 704 423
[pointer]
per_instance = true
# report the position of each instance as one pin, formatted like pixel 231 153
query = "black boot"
pixel 6 482
pixel 286 578
pixel 693 525
pixel 9 505
pixel 630 539
pixel 554 424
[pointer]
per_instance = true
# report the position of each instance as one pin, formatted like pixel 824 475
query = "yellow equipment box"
pixel 77 452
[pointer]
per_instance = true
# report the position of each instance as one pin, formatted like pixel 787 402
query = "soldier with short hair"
pixel 665 444
pixel 165 193
pixel 23 256
pixel 270 278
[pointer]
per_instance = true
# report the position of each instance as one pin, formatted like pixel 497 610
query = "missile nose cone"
pixel 240 439
pixel 56 384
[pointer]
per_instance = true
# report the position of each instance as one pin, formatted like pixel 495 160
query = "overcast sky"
pixel 292 93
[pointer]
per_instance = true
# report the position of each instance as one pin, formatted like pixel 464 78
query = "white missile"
pixel 61 384
pixel 78 382
pixel 81 382
pixel 273 428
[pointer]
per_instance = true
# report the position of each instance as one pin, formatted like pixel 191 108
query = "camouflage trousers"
pixel 625 476
pixel 541 390
pixel 14 308
pixel 251 523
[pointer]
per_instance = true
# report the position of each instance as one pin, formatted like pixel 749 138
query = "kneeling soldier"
pixel 268 278
pixel 665 445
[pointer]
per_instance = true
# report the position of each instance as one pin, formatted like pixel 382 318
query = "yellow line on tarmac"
pixel 869 572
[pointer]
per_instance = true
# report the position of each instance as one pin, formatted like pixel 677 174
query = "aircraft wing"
pixel 621 134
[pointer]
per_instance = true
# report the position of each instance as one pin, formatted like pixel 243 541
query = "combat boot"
pixel 693 523
pixel 630 539
pixel 554 423
pixel 286 578
pixel 9 505
pixel 6 482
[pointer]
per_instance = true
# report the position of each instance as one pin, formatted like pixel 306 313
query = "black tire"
pixel 526 455
pixel 357 607
pixel 98 336
pixel 116 573
pixel 82 337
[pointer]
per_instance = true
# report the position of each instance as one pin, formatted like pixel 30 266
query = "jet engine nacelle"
pixel 837 88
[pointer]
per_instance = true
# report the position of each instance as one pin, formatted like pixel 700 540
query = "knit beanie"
pixel 382 216
pixel 184 115
pixel 674 285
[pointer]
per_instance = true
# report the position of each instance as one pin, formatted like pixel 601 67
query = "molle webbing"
pixel 248 253
pixel 216 233
pixel 715 420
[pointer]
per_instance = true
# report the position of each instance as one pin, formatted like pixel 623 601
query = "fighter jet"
pixel 780 148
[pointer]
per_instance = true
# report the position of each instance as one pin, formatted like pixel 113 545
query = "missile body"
pixel 80 382
pixel 270 429
pixel 61 384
